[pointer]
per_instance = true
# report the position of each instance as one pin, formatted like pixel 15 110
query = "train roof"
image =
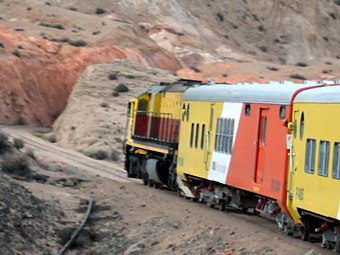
pixel 270 93
pixel 325 95
pixel 177 86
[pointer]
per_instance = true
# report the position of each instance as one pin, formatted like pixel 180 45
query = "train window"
pixel 231 136
pixel 142 105
pixel 302 125
pixel 323 158
pixel 188 111
pixel 263 134
pixel 183 112
pixel 247 110
pixel 192 134
pixel 295 127
pixel 217 135
pixel 310 156
pixel 224 135
pixel 336 161
pixel 129 109
pixel 202 136
pixel 197 134
pixel 282 112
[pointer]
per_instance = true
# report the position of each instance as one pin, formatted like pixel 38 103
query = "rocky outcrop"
pixel 37 76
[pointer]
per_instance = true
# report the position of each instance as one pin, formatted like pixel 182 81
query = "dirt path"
pixel 130 218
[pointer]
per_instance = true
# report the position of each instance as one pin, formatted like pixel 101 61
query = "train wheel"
pixel 194 199
pixel 256 212
pixel 150 184
pixel 133 167
pixel 304 234
pixel 222 206
pixel 145 181
pixel 245 210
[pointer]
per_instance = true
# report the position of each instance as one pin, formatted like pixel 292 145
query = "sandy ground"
pixel 130 218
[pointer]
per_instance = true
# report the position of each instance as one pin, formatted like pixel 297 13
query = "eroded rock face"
pixel 37 76
pixel 95 117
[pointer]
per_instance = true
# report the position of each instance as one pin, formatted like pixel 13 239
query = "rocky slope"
pixel 46 45
pixel 94 119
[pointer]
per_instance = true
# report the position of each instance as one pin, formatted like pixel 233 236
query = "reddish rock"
pixel 38 77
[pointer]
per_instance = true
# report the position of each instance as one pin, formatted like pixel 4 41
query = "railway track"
pixel 105 169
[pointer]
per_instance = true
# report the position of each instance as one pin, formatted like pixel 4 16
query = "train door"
pixel 261 145
pixel 208 133
pixel 292 156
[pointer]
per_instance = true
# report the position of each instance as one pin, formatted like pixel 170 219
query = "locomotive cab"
pixel 153 131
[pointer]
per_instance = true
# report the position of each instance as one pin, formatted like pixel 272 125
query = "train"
pixel 269 148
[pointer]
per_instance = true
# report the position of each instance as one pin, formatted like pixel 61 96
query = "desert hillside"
pixel 46 45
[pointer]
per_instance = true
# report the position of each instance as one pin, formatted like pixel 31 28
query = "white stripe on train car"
pixel 338 212
pixel 219 166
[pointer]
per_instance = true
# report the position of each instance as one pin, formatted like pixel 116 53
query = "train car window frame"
pixel 202 136
pixel 323 161
pixel 247 110
pixel 336 161
pixel 263 134
pixel 282 112
pixel 302 125
pixel 310 156
pixel 224 135
pixel 231 136
pixel 183 112
pixel 217 134
pixel 197 134
pixel 188 111
pixel 192 134
pixel 129 109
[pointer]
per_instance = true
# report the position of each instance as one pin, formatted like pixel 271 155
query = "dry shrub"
pixel 298 77
pixel 51 138
pixel 99 154
pixel 16 164
pixel 18 143
pixel 114 156
pixel 30 153
pixel 5 145
pixel 121 88
pixel 112 76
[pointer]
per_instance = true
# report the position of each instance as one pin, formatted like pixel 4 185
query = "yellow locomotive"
pixel 151 143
